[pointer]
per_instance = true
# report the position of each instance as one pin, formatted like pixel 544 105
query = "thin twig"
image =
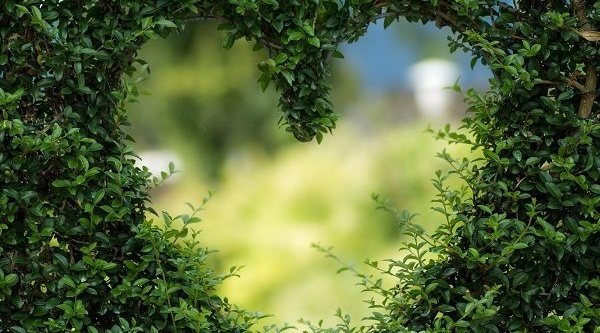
pixel 270 44
pixel 201 17
pixel 384 15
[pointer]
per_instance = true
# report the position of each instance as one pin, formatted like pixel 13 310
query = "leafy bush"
pixel 76 252
pixel 519 249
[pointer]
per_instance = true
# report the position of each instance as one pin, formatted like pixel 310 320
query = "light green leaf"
pixel 166 23
pixel 296 35
pixel 314 41
pixel 289 77
pixel 36 13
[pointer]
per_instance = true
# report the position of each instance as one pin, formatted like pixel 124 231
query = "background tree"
pixel 519 249
pixel 208 102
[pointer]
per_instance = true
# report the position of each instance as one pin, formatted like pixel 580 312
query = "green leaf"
pixel 229 41
pixel 11 279
pixel 553 189
pixel 166 23
pixel 473 252
pixel 470 307
pixel 109 266
pixel 446 308
pixel 281 58
pixel 21 10
pixel 520 246
pixel 100 55
pixel 484 208
pixel 18 329
pixel 511 70
pixel 184 232
pixel 566 95
pixel 595 283
pixel 388 21
pixel 61 259
pixel 289 77
pixel 491 155
pixel 308 29
pixel 66 281
pixel 61 183
pixel 585 300
pixel 519 279
pixel 319 137
pixel 146 22
pixel 532 160
pixel 517 155
pixel 295 35
pixel 36 13
pixel 278 26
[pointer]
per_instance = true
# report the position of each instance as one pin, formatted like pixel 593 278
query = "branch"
pixel 568 81
pixel 201 17
pixel 384 15
pixel 270 44
pixel 441 17
pixel 579 9
pixel 591 80
pixel 575 84
pixel 589 97
pixel 448 18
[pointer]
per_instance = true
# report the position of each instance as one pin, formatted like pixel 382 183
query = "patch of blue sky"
pixel 383 57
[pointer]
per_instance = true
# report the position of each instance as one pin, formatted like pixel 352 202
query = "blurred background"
pixel 273 196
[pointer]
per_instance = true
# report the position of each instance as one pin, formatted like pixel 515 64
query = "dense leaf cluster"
pixel 76 252
pixel 300 37
pixel 519 249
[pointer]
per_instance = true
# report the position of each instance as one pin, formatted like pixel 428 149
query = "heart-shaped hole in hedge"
pixel 519 249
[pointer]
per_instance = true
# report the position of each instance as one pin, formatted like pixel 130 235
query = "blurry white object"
pixel 158 161
pixel 430 79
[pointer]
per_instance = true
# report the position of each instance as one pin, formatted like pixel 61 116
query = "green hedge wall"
pixel 519 249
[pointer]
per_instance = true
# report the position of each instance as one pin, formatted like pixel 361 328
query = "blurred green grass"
pixel 267 211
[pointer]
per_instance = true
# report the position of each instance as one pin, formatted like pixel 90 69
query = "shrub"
pixel 519 249
pixel 76 252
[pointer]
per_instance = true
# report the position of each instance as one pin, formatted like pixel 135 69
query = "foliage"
pixel 519 249
pixel 300 38
pixel 76 252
